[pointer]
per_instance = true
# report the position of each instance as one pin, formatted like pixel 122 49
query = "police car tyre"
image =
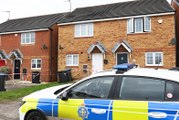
pixel 35 115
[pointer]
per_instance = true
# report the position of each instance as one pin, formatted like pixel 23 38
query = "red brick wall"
pixel 10 42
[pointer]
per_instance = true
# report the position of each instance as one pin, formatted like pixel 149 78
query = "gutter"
pixel 24 31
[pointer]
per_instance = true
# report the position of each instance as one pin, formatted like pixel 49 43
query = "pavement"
pixel 9 110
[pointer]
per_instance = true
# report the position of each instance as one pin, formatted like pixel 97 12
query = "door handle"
pixel 98 111
pixel 157 115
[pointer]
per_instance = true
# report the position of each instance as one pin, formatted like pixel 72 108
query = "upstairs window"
pixel 28 38
pixel 72 60
pixel 84 30
pixel 154 59
pixel 139 25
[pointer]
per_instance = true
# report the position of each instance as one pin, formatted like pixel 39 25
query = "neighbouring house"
pixel 175 5
pixel 96 38
pixel 29 45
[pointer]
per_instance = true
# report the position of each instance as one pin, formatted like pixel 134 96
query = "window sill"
pixel 71 66
pixel 154 65
pixel 36 69
pixel 30 44
pixel 77 37
pixel 139 33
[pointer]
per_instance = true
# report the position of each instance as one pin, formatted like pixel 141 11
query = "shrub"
pixel 5 69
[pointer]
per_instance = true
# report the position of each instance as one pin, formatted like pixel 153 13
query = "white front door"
pixel 97 62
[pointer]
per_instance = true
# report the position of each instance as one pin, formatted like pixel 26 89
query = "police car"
pixel 122 94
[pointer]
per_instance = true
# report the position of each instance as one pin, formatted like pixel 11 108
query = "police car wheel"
pixel 35 115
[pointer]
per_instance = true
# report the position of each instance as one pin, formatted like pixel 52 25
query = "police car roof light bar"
pixel 123 67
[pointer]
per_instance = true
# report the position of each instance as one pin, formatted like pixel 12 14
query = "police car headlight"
pixel 22 102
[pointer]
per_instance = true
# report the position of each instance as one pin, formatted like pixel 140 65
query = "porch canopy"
pixel 15 54
pixel 3 55
pixel 98 45
pixel 123 44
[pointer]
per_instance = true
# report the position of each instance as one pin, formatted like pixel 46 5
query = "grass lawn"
pixel 21 92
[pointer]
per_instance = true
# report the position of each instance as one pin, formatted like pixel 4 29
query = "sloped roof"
pixel 17 53
pixel 116 10
pixel 30 23
pixel 98 45
pixel 125 44
pixel 3 55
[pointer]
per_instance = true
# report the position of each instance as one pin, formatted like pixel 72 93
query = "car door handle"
pixel 157 115
pixel 98 111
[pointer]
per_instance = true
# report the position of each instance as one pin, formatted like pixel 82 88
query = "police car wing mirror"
pixel 64 96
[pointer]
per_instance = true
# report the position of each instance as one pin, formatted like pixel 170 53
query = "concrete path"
pixel 9 111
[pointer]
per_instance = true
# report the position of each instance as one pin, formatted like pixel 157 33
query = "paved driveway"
pixel 9 110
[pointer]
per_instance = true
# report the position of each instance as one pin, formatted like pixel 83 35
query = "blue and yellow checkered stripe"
pixel 114 109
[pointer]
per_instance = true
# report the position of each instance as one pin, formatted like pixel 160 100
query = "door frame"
pixel 14 67
pixel 102 60
pixel 122 53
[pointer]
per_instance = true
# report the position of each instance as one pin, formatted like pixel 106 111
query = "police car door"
pixel 143 98
pixel 88 100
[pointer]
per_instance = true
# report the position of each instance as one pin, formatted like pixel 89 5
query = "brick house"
pixel 29 45
pixel 175 5
pixel 96 38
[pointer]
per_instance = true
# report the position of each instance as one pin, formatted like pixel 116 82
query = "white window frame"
pixel 145 30
pixel 133 29
pixel 36 59
pixel 153 61
pixel 30 38
pixel 72 57
pixel 130 25
pixel 142 25
pixel 87 25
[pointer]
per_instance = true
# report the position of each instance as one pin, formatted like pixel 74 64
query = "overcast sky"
pixel 26 8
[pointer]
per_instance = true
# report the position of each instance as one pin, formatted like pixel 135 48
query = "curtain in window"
pixel 147 24
pixel 138 25
pixel 130 25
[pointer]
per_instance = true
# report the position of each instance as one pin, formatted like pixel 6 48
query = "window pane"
pixel 172 91
pixel 138 25
pixel 69 60
pixel 130 25
pixel 158 58
pixel 147 23
pixel 149 58
pixel 90 29
pixel 136 88
pixel 77 30
pixel 94 88
pixel 27 38
pixel 32 37
pixel 33 63
pixel 22 38
pixel 38 63
pixel 75 59
pixel 83 29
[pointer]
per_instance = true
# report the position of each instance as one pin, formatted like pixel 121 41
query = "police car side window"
pixel 93 88
pixel 142 88
pixel 172 91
